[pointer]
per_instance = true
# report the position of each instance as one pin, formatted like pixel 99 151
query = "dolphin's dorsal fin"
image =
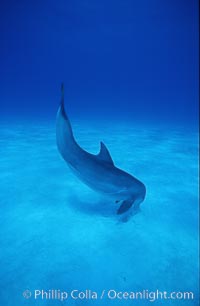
pixel 104 154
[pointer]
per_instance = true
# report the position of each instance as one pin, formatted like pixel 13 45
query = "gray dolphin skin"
pixel 97 171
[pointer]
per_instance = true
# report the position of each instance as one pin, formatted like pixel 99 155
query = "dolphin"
pixel 97 171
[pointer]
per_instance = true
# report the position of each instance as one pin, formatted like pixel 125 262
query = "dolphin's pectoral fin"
pixel 104 154
pixel 125 206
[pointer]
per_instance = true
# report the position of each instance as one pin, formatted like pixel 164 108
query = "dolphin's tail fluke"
pixel 62 104
pixel 62 93
pixel 64 134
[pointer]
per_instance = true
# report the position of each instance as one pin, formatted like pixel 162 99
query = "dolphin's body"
pixel 97 171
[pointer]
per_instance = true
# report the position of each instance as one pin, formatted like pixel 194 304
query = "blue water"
pixel 130 70
pixel 56 233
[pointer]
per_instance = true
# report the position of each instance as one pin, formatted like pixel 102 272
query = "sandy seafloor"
pixel 56 233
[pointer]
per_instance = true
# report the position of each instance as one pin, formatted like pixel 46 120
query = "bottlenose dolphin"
pixel 97 171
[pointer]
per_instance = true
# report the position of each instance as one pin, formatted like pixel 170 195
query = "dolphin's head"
pixel 136 196
pixel 142 191
pixel 140 196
